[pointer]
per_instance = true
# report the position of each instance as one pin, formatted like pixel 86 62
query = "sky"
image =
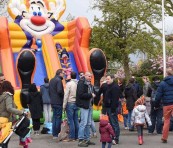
pixel 80 8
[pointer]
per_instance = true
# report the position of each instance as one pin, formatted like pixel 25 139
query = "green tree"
pixel 123 29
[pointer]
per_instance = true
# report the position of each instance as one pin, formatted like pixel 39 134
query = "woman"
pixel 35 107
pixel 131 97
pixel 147 90
pixel 7 106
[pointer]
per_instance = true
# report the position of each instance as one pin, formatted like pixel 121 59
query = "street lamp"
pixel 163 39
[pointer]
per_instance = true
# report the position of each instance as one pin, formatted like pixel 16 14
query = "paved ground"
pixel 127 140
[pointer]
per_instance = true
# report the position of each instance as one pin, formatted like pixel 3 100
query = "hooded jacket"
pixel 139 115
pixel 7 106
pixel 35 105
pixel 56 91
pixel 165 92
pixel 131 96
pixel 44 90
pixel 106 131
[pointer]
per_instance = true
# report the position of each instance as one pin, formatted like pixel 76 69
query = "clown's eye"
pixel 39 14
pixel 35 13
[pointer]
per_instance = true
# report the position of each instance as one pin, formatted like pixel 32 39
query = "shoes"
pixel 140 141
pixel 164 140
pixel 131 130
pixel 82 143
pixel 89 142
pixel 55 138
pixel 150 133
pixel 126 128
pixel 36 133
pixel 68 140
pixel 94 135
pixel 114 142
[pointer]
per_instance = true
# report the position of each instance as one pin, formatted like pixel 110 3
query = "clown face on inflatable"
pixel 38 17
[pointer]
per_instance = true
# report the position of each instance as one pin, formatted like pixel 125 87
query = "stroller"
pixel 20 128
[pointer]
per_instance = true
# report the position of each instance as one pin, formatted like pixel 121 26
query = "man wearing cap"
pixel 165 94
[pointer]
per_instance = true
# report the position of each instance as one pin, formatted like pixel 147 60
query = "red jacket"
pixel 106 131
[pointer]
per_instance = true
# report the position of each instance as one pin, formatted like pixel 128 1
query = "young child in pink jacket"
pixel 106 133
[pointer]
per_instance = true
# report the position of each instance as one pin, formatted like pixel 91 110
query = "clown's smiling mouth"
pixel 38 30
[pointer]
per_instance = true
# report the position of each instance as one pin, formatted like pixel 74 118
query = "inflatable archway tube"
pixel 6 52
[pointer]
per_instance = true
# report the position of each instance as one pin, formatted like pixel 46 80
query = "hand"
pixel 93 95
pixel 97 107
pixel 16 7
pixel 156 108
pixel 57 8
pixel 63 110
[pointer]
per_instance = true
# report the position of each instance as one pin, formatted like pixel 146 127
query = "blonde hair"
pixel 146 78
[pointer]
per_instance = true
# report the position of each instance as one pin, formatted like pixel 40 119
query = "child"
pixel 25 141
pixel 124 113
pixel 106 133
pixel 139 115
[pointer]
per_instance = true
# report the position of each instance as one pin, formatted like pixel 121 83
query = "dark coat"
pixel 165 92
pixel 44 90
pixel 106 131
pixel 35 105
pixel 131 96
pixel 112 96
pixel 56 91
pixel 83 95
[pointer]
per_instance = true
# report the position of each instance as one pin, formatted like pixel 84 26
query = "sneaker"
pixel 131 130
pixel 94 135
pixel 37 133
pixel 82 143
pixel 150 133
pixel 55 138
pixel 89 142
pixel 68 140
pixel 114 142
pixel 164 141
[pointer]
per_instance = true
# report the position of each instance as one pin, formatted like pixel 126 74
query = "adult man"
pixel 156 114
pixel 71 109
pixel 84 100
pixel 112 96
pixel 165 93
pixel 56 92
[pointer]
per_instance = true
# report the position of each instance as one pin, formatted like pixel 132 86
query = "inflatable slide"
pixel 36 44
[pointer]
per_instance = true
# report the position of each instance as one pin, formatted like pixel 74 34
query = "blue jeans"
pixel 129 119
pixel 125 117
pixel 56 120
pixel 156 120
pixel 85 123
pixel 93 127
pixel 104 144
pixel 113 118
pixel 72 115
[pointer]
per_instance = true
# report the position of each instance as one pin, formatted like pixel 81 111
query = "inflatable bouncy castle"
pixel 36 44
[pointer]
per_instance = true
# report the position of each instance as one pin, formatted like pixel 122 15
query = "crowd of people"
pixel 150 104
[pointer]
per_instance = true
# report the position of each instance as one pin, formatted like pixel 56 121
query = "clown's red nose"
pixel 38 20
